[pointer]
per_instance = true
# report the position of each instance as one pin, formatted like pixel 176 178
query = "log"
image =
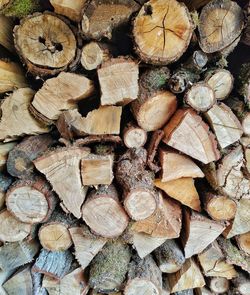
pixel 242 283
pixel 203 291
pixel 4 276
pixel 61 168
pixel 19 283
pixel 140 197
pixel 195 4
pixel 134 136
pixel 5 182
pixel 152 150
pixel 97 169
pixel 17 8
pixel 86 245
pixel 175 165
pixel 6 38
pixel 245 123
pixel 225 124
pixel 94 54
pixel 13 255
pixel 59 94
pixel 215 19
pixel 182 190
pixel 187 133
pixel 101 18
pixel 101 121
pixel 213 263
pixel 12 230
pixel 5 148
pixel 19 163
pixel 243 242
pixel 165 222
pixel 52 38
pixel 188 277
pixel 53 264
pixel 219 207
pixel 198 228
pixel 169 257
pixel 109 267
pixel 128 81
pixel 219 285
pixel 244 82
pixel 103 212
pixel 37 284
pixel 158 21
pixel 31 201
pixel 70 9
pixel 144 277
pixel 12 76
pixel 200 97
pixel 16 119
pixel 221 81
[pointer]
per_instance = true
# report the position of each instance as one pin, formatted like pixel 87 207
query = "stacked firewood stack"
pixel 124 148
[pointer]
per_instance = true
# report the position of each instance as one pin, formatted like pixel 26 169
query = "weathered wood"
pixel 103 212
pixel 5 148
pixel 6 37
pixel 61 168
pixel 220 23
pixel 60 94
pixel 86 245
pixel 134 136
pixel 45 43
pixel 125 73
pixel 16 119
pixel 219 285
pixel 187 133
pixel 5 182
pixel 158 21
pixel 243 242
pixel 109 267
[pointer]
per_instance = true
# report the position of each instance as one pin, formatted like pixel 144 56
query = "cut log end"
pixel 219 285
pixel 134 137
pixel 243 242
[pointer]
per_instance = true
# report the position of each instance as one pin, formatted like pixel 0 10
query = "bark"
pixel 242 283
pixel 102 139
pixel 134 136
pixel 244 83
pixel 109 267
pixel 6 38
pixel 5 148
pixel 152 150
pixel 103 212
pixel 213 25
pixel 146 29
pixel 37 284
pixel 5 182
pixel 19 8
pixel 243 242
pixel 219 285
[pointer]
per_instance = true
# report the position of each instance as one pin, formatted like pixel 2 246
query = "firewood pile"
pixel 124 147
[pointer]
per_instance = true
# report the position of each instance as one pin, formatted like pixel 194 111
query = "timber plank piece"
pixel 168 19
pixel 61 168
pixel 45 43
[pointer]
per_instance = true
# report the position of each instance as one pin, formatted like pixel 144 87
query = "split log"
pixel 165 222
pixel 244 83
pixel 214 22
pixel 19 283
pixel 140 197
pixel 221 81
pixel 5 182
pixel 96 169
pixel 185 292
pixel 61 168
pixel 175 165
pixel 219 285
pixel 243 242
pixel 59 94
pixel 13 255
pixel 4 276
pixel 188 277
pixel 101 121
pixel 198 228
pixel 94 54
pixel 6 38
pixel 158 21
pixel 86 245
pixel 5 148
pixel 109 267
pixel 31 201
pixel 245 123
pixel 37 284
pixel 213 263
pixel 203 291
pixel 144 277
pixel 125 73
pixel 17 8
pixel 16 119
pixel 219 207
pixel 103 212
pixel 71 9
pixel 234 255
pixel 200 97
pixel 74 282
pixel 12 230
pixel 152 150
pixel 169 257
pixel 53 264
pixel 19 163
pixel 45 43
pixel 187 133
pixel 225 124
pixel 134 136
pixel 242 283
pixel 182 190
pixel 12 76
